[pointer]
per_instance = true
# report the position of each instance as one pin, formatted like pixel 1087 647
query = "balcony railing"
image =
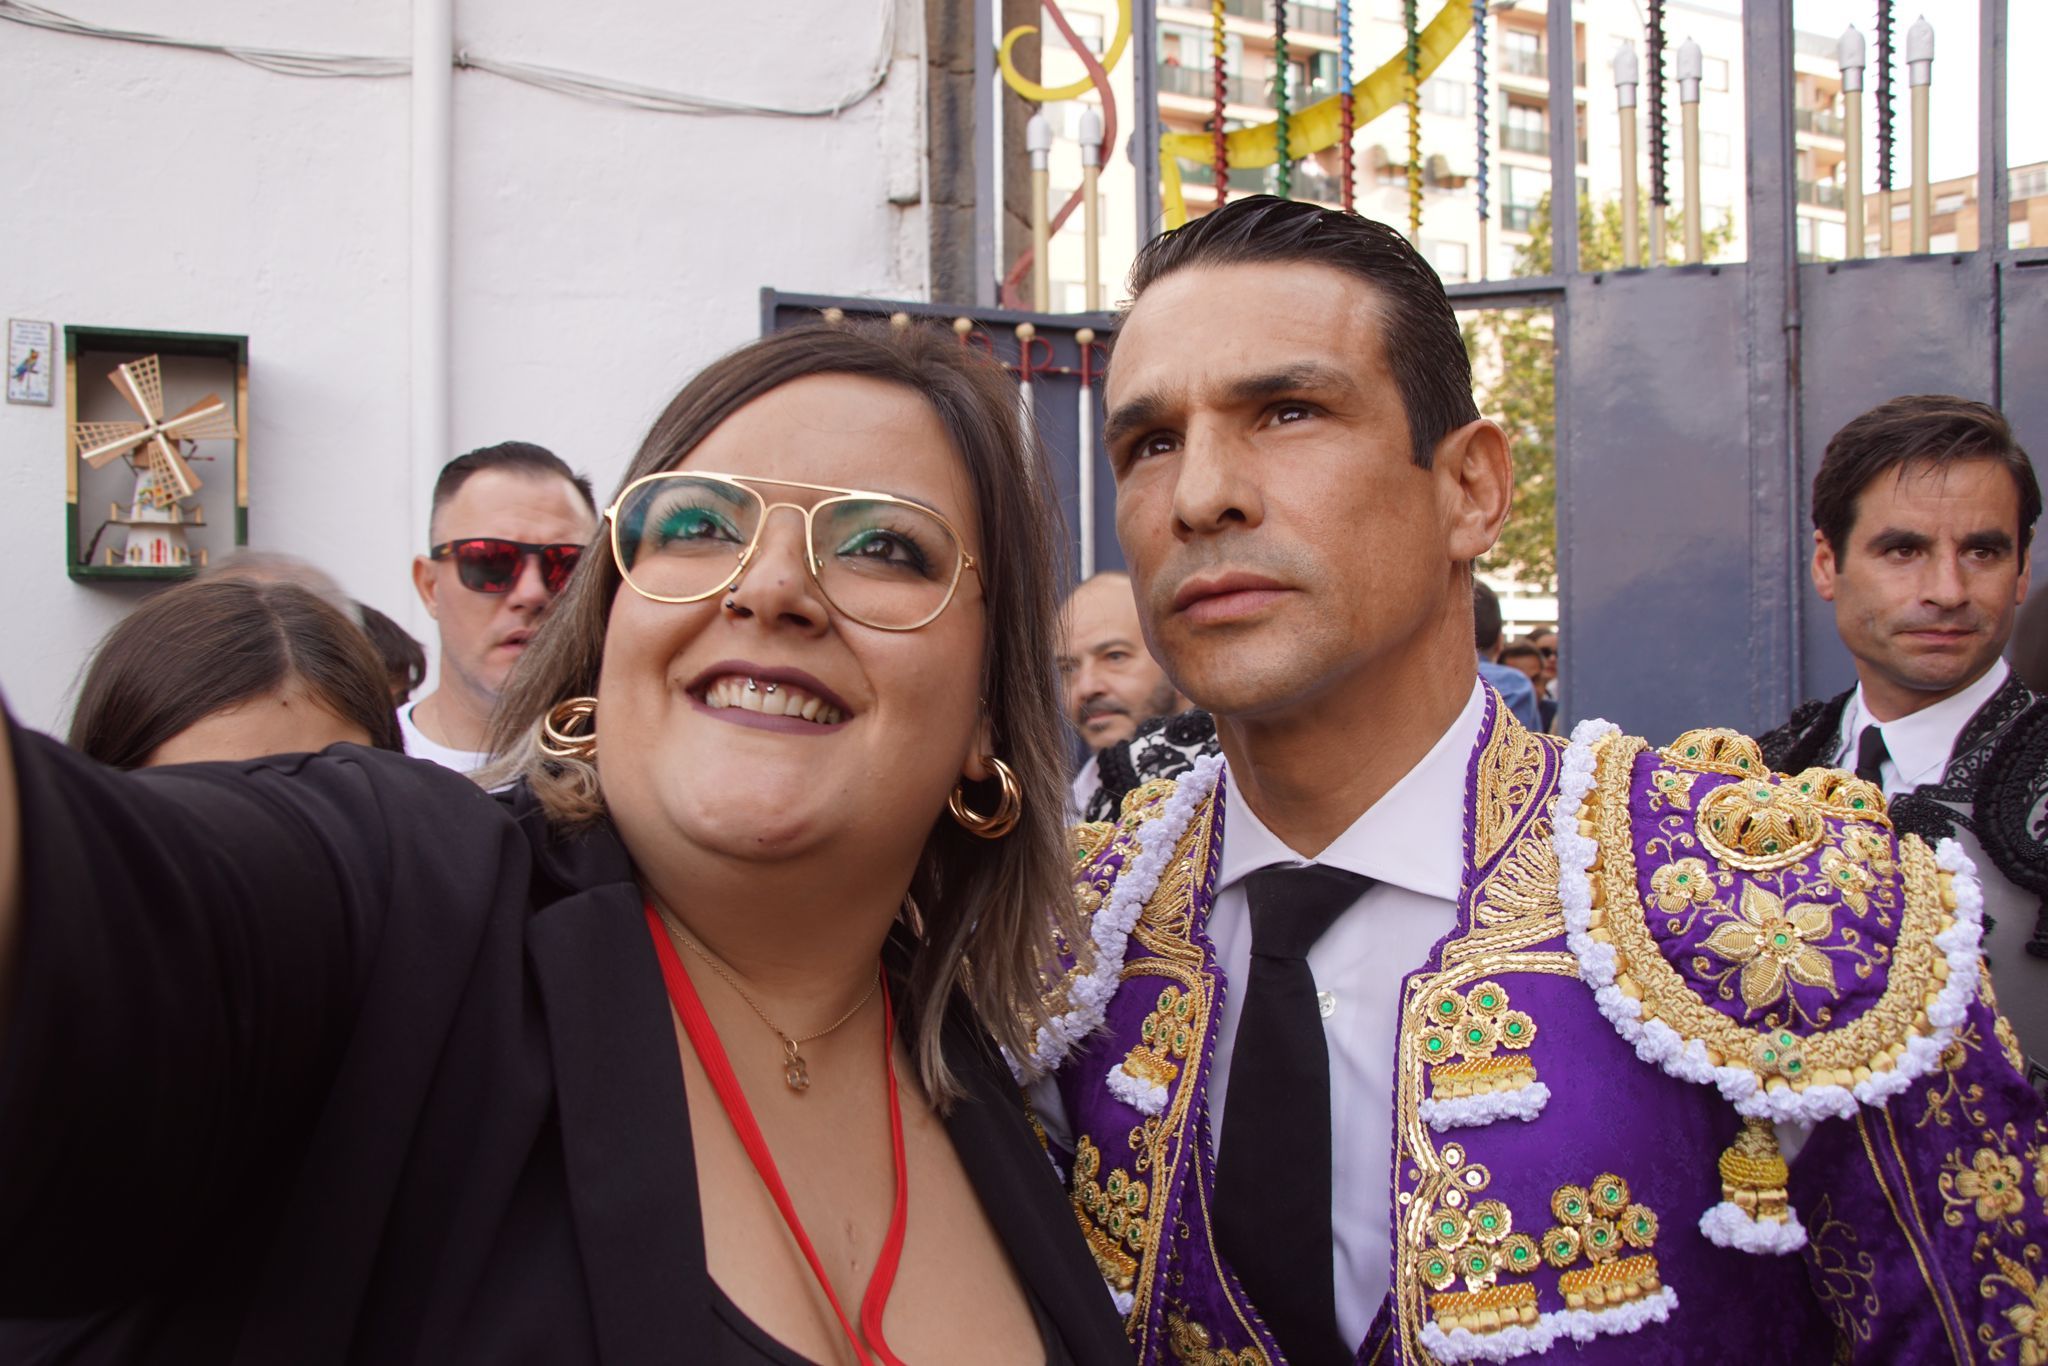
pixel 1820 122
pixel 1312 18
pixel 1310 183
pixel 1824 194
pixel 1196 81
pixel 2030 183
pixel 1242 181
pixel 1534 141
pixel 1517 217
pixel 1520 61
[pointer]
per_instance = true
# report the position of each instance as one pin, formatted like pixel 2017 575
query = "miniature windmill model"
pixel 156 516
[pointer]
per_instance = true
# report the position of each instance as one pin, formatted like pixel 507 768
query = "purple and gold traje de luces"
pixel 1664 960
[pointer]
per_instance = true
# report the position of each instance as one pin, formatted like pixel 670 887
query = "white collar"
pixel 1413 837
pixel 1921 743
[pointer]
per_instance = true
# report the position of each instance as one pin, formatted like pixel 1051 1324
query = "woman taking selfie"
pixel 684 1048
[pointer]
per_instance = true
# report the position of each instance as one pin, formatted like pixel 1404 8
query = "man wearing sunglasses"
pixel 508 525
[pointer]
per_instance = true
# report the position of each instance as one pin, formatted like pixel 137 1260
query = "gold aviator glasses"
pixel 883 561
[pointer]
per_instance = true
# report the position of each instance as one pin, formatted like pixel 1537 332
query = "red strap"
pixel 703 1036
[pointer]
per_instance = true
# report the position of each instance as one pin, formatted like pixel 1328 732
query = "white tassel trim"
pixel 1730 1225
pixel 1142 1096
pixel 1579 1325
pixel 1122 1299
pixel 1686 1059
pixel 1110 929
pixel 1464 1112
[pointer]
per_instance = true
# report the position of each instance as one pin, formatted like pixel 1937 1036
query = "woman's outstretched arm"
pixel 191 950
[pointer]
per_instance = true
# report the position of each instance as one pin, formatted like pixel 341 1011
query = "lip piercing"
pixel 771 687
pixel 752 686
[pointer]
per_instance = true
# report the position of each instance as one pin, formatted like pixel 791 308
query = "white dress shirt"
pixel 1411 843
pixel 1920 743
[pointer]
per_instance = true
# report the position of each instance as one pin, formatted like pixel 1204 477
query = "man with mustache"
pixel 1403 1034
pixel 1923 515
pixel 1113 686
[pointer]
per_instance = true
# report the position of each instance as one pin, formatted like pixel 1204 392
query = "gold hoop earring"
pixel 1007 812
pixel 557 739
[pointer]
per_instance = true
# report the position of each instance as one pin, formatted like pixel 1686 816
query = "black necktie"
pixel 1870 755
pixel 1273 1166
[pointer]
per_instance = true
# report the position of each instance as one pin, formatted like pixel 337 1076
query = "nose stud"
pixel 732 604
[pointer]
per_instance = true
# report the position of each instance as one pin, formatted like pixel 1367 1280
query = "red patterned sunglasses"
pixel 486 564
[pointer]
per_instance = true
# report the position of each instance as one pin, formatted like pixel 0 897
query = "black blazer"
pixel 339 1059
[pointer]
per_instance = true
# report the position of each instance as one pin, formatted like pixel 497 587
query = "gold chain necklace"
pixel 796 1074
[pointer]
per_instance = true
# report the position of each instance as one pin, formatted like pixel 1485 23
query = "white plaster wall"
pixel 600 254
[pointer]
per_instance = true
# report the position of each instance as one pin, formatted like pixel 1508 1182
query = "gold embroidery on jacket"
pixel 1465 1036
pixel 1947 1098
pixel 1918 1242
pixel 1871 1042
pixel 1509 770
pixel 1843 1275
pixel 1668 787
pixel 1167 1034
pixel 1190 1344
pixel 1112 1215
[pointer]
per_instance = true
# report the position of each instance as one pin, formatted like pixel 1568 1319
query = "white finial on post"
pixel 1091 227
pixel 1850 56
pixel 1038 142
pixel 1627 76
pixel 1691 67
pixel 1920 74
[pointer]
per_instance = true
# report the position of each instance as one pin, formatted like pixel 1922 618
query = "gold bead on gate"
pixel 794 1072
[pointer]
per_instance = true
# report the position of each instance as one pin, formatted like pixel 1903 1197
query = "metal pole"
pixel 433 97
pixel 1690 67
pixel 1038 142
pixel 1660 190
pixel 1084 483
pixel 1479 123
pixel 1091 227
pixel 1626 78
pixel 988 155
pixel 1144 145
pixel 1920 74
pixel 1564 157
pixel 1849 55
pixel 1779 543
pixel 1886 129
pixel 1994 190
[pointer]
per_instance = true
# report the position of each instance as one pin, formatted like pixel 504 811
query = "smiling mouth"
pixel 772 698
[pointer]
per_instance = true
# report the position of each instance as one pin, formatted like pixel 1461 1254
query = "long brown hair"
pixel 988 909
pixel 192 650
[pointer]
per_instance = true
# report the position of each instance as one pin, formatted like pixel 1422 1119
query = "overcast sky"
pixel 1953 151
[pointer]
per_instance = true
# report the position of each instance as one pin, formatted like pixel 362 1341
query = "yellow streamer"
pixel 1320 125
pixel 1032 90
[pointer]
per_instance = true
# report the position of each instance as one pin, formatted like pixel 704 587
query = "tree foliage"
pixel 1514 360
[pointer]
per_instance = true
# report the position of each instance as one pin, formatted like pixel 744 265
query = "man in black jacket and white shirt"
pixel 1923 512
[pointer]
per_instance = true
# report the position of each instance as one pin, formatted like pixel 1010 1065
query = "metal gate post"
pixel 1777 580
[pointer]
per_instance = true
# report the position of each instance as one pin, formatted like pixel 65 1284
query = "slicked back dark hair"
pixel 520 457
pixel 1418 329
pixel 1930 429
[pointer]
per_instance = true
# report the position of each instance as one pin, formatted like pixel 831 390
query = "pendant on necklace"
pixel 795 1074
